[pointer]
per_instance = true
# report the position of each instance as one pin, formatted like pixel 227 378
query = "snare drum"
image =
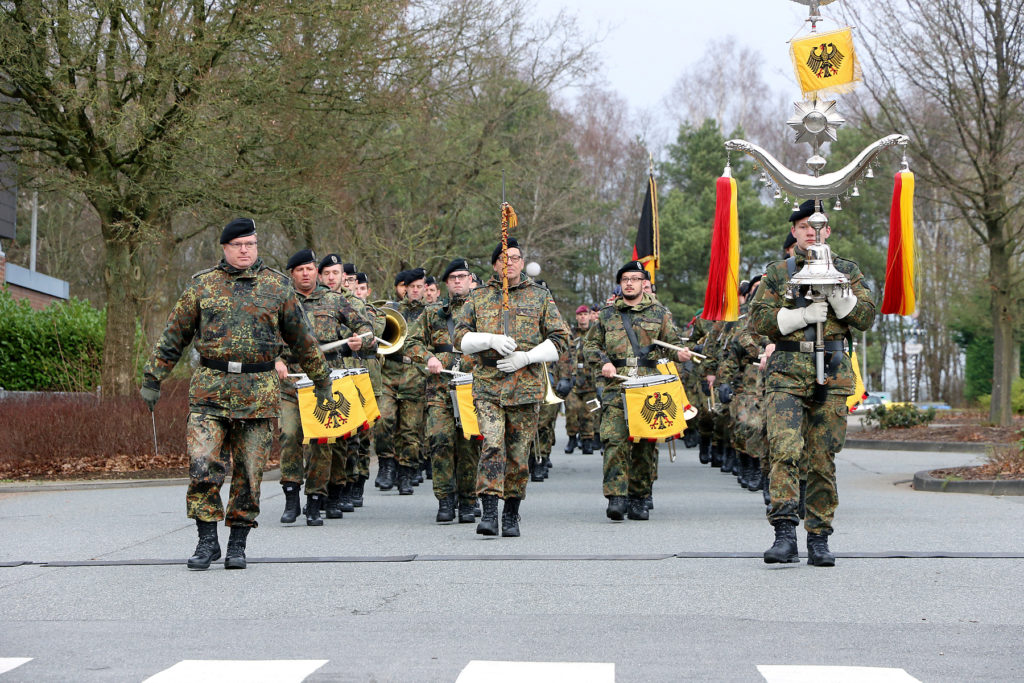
pixel 655 407
pixel 338 418
pixel 466 411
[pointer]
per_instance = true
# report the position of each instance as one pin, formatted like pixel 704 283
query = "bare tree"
pixel 963 59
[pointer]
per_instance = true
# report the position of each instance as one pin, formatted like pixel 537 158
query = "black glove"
pixel 725 393
pixel 324 390
pixel 705 388
pixel 150 392
pixel 563 387
pixel 699 348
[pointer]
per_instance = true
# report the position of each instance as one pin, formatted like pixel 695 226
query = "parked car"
pixel 870 403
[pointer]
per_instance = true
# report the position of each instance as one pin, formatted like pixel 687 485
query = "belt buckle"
pixel 631 362
pixel 407 360
pixel 806 347
pixel 579 365
pixel 235 367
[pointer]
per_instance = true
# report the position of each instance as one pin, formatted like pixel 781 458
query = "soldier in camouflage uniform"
pixel 454 458
pixel 372 363
pixel 579 420
pixel 237 313
pixel 332 318
pixel 508 386
pixel 807 421
pixel 699 338
pixel 540 450
pixel 628 467
pixel 404 390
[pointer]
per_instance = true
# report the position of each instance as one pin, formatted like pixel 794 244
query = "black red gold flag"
pixel 647 247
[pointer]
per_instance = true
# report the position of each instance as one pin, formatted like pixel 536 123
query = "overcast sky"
pixel 647 44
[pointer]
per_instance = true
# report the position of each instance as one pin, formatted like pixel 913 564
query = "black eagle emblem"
pixel 659 410
pixel 824 60
pixel 333 414
pixel 362 399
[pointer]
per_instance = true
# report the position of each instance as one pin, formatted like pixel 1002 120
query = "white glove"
pixel 475 342
pixel 842 301
pixel 792 319
pixel 545 352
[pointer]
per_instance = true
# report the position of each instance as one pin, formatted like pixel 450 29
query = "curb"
pixel 934 446
pixel 923 481
pixel 94 484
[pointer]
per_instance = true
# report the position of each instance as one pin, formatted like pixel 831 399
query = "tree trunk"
pixel 1001 410
pixel 122 279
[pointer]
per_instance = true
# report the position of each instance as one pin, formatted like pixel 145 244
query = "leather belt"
pixel 488 362
pixel 633 363
pixel 235 368
pixel 831 345
pixel 443 348
pixel 404 360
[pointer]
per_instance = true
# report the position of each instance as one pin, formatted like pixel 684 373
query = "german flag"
pixel 647 247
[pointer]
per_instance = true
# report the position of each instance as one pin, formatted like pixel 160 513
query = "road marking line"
pixel 8 663
pixel 834 674
pixel 479 671
pixel 247 671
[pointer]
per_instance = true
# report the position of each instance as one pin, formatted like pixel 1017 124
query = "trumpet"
pixel 395 331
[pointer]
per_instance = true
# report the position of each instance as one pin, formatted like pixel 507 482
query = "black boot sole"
pixel 314 522
pixel 202 565
pixel 234 563
pixel 820 562
pixel 486 529
pixel 775 560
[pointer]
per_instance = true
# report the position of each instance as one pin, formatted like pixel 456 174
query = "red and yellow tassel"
pixel 721 299
pixel 899 267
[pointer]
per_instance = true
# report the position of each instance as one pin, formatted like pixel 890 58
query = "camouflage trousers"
pixel 628 467
pixel 578 418
pixel 402 431
pixel 214 444
pixel 805 436
pixel 541 447
pixel 745 417
pixel 454 458
pixel 508 432
pixel 293 454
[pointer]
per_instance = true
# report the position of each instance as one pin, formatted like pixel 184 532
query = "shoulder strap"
pixel 627 324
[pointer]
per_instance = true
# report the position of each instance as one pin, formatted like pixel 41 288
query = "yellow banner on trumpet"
pixel 328 421
pixel 467 411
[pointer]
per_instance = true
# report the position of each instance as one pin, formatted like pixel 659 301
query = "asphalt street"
pixel 928 586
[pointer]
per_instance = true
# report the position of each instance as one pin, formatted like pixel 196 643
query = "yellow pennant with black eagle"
pixel 825 63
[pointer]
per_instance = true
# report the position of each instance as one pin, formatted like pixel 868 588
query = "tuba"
pixel 395 331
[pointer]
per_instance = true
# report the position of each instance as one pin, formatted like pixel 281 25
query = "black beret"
pixel 754 280
pixel 805 210
pixel 631 267
pixel 349 269
pixel 415 274
pixel 744 287
pixel 240 227
pixel 496 254
pixel 329 260
pixel 431 280
pixel 790 241
pixel 361 278
pixel 301 258
pixel 400 278
pixel 456 264
pixel 476 279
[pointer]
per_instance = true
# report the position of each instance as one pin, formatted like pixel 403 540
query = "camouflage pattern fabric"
pixel 628 467
pixel 508 432
pixel 533 318
pixel 545 431
pixel 293 453
pixel 804 435
pixel 214 444
pixel 401 426
pixel 454 459
pixel 578 418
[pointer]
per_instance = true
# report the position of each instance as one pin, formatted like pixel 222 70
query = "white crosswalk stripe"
pixel 834 674
pixel 242 671
pixel 478 671
pixel 8 663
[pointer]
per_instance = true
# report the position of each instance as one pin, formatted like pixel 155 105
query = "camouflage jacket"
pixel 432 338
pixel 607 341
pixel 373 363
pixel 240 316
pixel 533 318
pixel 742 357
pixel 793 372
pixel 402 377
pixel 581 372
pixel 332 317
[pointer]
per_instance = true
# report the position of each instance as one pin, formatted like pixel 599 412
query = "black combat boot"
pixel 405 479
pixel 704 449
pixel 510 517
pixel 477 510
pixel 466 515
pixel 573 443
pixel 445 508
pixel 545 464
pixel 357 491
pixel 346 497
pixel 717 453
pixel 735 464
pixel 766 493
pixel 488 525
pixel 428 469
pixel 386 474
pixel 235 559
pixel 313 504
pixel 783 551
pixel 755 481
pixel 801 508
pixel 208 548
pixel 818 554
pixel 744 470
pixel 649 502
pixel 588 446
pixel 616 508
pixel 638 509
pixel 333 509
pixel 291 502
pixel 536 473
pixel 728 455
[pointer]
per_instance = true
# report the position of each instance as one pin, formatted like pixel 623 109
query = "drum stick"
pixel 678 348
pixel 330 346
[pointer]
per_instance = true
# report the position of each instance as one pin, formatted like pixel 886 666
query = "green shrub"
pixel 901 415
pixel 1016 398
pixel 57 349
